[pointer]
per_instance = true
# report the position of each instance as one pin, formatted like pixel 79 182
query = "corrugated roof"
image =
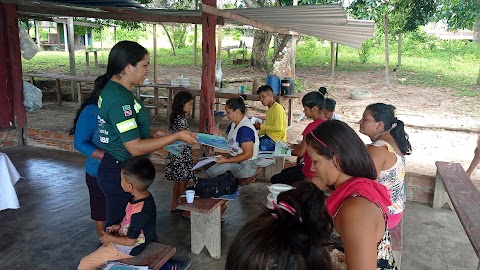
pixel 327 22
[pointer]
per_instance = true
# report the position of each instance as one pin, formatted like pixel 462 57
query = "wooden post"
pixel 294 49
pixel 155 89
pixel 332 57
pixel 71 54
pixel 208 69
pixel 11 85
pixel 65 41
pixel 387 79
pixel 37 33
pixel 195 39
pixel 399 52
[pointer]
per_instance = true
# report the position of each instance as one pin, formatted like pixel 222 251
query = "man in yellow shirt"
pixel 274 127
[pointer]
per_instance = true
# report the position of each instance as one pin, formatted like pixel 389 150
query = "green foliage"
pixel 133 34
pixel 408 15
pixel 459 14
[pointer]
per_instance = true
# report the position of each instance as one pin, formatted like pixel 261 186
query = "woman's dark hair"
pixel 386 113
pixel 323 91
pixel 140 170
pixel 123 53
pixel 90 100
pixel 340 140
pixel 179 101
pixel 313 99
pixel 282 240
pixel 237 103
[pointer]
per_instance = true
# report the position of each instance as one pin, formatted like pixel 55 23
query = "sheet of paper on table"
pixel 254 120
pixel 282 149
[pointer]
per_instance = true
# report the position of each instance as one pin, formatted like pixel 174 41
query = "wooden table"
pixel 205 224
pixel 60 77
pixel 87 59
pixel 230 93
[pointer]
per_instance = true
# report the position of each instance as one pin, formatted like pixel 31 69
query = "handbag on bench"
pixel 223 184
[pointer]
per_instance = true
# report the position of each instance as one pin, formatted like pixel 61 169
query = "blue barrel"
pixel 274 82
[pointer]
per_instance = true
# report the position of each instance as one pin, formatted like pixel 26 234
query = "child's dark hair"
pixel 386 113
pixel 323 91
pixel 92 99
pixel 140 171
pixel 123 53
pixel 313 99
pixel 237 103
pixel 179 101
pixel 330 104
pixel 334 137
pixel 264 88
pixel 291 236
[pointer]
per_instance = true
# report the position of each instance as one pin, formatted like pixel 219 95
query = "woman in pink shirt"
pixel 313 104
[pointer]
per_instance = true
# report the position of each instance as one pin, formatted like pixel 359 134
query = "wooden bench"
pixel 155 255
pixel 463 196
pixel 205 224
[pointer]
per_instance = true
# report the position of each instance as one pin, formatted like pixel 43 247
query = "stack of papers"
pixel 220 142
pixel 282 149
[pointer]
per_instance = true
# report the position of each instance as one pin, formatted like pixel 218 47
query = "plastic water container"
pixel 287 87
pixel 274 82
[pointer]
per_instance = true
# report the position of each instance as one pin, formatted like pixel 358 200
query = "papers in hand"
pixel 282 149
pixel 213 141
pixel 254 120
pixel 176 147
pixel 204 162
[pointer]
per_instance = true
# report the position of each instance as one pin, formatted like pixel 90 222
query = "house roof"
pixel 328 22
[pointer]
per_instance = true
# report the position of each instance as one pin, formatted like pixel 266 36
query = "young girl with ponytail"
pixel 388 149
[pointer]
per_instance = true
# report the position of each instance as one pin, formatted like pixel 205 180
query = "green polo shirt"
pixel 121 118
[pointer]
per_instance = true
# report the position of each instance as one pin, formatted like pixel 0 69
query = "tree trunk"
pixel 261 43
pixel 387 79
pixel 169 39
pixel 399 53
pixel 283 44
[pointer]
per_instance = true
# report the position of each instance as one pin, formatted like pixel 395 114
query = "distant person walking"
pixel 124 123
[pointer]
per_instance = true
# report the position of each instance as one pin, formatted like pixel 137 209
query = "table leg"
pixel 290 112
pixel 59 91
pixel 206 232
pixel 96 59
pixel 79 93
pixel 169 102
pixel 193 106
pixel 87 62
pixel 155 96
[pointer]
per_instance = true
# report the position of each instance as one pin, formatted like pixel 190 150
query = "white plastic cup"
pixel 190 195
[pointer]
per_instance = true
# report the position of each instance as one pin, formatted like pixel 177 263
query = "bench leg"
pixel 206 231
pixel 276 168
pixel 440 195
pixel 87 62
pixel 96 59
pixel 59 91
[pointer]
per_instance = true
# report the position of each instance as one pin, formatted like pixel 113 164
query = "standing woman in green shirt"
pixel 124 123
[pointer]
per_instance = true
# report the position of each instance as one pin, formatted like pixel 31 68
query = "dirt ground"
pixel 442 125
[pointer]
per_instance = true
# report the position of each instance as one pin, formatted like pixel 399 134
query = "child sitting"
pixel 329 110
pixel 137 229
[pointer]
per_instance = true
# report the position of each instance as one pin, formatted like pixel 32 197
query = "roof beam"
pixel 124 14
pixel 243 20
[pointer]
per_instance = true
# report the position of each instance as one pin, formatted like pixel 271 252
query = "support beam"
pixel 71 54
pixel 208 69
pixel 232 16
pixel 332 57
pixel 195 39
pixel 294 49
pixel 37 33
pixel 65 38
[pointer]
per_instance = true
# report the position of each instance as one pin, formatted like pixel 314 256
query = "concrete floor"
pixel 52 229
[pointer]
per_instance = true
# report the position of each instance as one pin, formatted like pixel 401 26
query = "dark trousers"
pixel 288 176
pixel 108 177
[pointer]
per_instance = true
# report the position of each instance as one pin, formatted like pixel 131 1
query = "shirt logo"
pixel 127 113
pixel 126 107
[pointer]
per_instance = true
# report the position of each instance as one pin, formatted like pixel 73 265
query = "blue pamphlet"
pixel 175 148
pixel 213 141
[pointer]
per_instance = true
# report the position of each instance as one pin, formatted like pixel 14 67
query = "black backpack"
pixel 223 184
